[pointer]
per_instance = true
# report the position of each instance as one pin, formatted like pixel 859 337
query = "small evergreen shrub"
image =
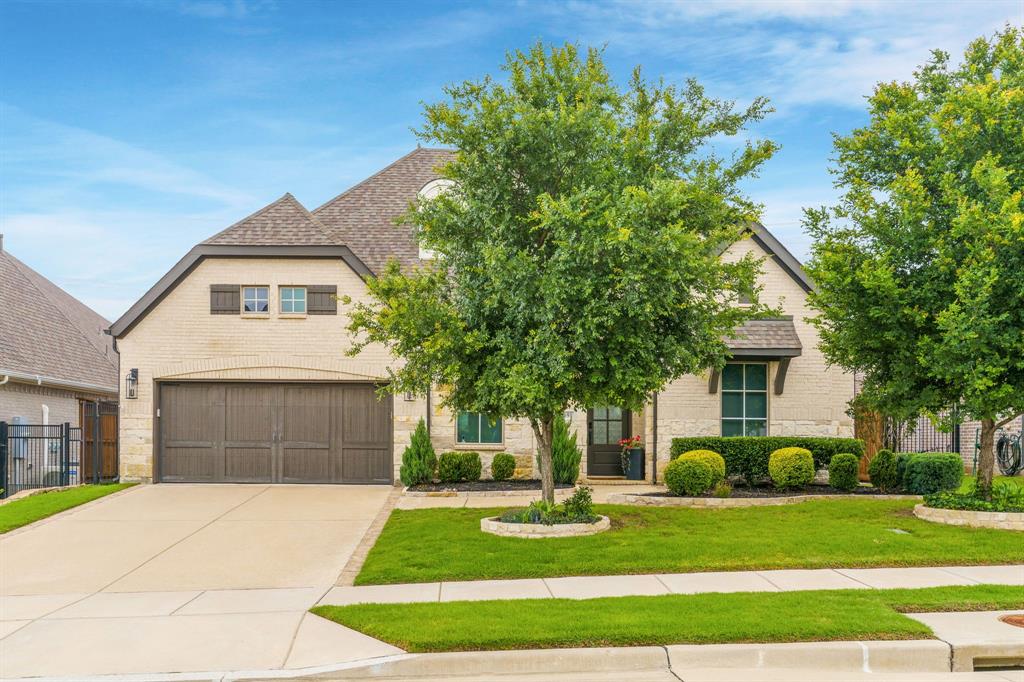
pixel 579 507
pixel 931 472
pixel 842 471
pixel 565 456
pixel 882 471
pixel 689 476
pixel 418 460
pixel 712 459
pixel 722 489
pixel 455 467
pixel 791 467
pixel 901 466
pixel 503 466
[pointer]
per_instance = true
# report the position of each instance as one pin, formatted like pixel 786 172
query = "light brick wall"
pixel 26 400
pixel 815 399
pixel 180 340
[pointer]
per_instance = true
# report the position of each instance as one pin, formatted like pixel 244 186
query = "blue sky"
pixel 130 130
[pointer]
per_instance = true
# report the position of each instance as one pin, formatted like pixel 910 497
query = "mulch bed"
pixel 482 486
pixel 769 491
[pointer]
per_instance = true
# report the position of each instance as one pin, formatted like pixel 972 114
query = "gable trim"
pixel 781 255
pixel 193 258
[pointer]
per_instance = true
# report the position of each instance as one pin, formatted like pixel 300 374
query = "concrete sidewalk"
pixel 589 587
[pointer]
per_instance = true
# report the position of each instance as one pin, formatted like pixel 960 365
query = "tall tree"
pixel 920 266
pixel 577 248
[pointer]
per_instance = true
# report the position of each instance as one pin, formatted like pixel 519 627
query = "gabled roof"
pixel 285 222
pixel 47 333
pixel 363 217
pixel 781 255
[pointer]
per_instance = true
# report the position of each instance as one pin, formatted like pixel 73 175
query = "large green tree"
pixel 577 247
pixel 920 266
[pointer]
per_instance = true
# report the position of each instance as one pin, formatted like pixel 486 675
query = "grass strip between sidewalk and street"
pixel 35 507
pixel 713 618
pixel 447 544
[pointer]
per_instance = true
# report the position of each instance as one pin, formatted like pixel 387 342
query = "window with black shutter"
pixel 321 299
pixel 225 299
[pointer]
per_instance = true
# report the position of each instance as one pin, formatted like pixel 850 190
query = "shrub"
pixel 931 472
pixel 712 459
pixel 418 460
pixel 689 476
pixel 842 471
pixel 791 467
pixel 882 471
pixel 747 456
pixel 901 465
pixel 580 506
pixel 453 467
pixel 503 466
pixel 1006 497
pixel 722 489
pixel 565 456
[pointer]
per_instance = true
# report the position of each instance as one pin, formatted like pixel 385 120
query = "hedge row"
pixel 747 456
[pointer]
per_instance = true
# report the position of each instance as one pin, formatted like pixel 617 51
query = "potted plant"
pixel 632 458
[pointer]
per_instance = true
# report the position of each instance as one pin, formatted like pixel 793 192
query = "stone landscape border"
pixel 726 502
pixel 495 526
pixel 974 519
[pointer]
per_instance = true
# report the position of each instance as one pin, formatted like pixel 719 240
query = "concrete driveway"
pixel 179 578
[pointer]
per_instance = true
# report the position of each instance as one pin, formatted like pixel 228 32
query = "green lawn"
pixel 30 509
pixel 671 619
pixel 968 483
pixel 447 544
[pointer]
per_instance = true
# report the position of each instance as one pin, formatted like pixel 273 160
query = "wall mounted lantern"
pixel 131 384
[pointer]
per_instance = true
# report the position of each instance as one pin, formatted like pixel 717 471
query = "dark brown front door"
pixel 274 433
pixel 605 427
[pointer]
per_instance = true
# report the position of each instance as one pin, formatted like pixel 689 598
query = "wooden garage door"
pixel 274 433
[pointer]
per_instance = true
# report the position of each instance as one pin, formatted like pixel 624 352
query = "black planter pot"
pixel 635 471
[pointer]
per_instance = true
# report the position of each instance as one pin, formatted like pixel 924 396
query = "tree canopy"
pixel 577 248
pixel 920 265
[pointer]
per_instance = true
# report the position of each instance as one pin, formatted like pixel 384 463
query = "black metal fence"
pixel 39 456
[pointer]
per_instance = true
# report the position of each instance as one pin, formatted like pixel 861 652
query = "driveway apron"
pixel 179 578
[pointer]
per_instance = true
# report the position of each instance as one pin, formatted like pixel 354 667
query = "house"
pixel 242 374
pixel 56 360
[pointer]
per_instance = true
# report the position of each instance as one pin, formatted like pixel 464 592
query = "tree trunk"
pixel 543 429
pixel 986 459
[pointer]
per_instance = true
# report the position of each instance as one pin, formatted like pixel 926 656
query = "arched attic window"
pixel 429 191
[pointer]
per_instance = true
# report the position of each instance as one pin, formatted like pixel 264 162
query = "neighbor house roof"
pixel 49 336
pixel 774 337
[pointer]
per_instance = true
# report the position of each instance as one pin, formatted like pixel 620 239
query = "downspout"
pixel 429 435
pixel 654 441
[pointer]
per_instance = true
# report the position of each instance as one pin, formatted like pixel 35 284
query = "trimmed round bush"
pixel 503 466
pixel 711 458
pixel 931 472
pixel 689 476
pixel 882 471
pixel 791 467
pixel 842 471
pixel 455 467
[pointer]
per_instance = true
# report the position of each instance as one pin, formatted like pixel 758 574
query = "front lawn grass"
pixel 447 544
pixel 968 483
pixel 30 509
pixel 671 619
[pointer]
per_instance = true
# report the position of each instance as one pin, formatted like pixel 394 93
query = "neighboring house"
pixel 54 351
pixel 243 376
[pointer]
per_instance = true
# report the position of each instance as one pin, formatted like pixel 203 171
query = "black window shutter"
pixel 321 299
pixel 225 299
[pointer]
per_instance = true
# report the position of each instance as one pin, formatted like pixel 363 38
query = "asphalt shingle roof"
pixel 776 333
pixel 362 218
pixel 47 332
pixel 285 222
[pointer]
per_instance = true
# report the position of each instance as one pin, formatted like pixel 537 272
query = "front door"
pixel 605 427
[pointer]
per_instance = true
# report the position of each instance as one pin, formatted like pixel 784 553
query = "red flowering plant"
pixel 627 444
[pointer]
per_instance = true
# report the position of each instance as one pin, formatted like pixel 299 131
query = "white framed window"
pixel 745 399
pixel 429 191
pixel 293 300
pixel 255 299
pixel 480 429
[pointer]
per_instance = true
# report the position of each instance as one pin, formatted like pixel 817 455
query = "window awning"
pixel 765 340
